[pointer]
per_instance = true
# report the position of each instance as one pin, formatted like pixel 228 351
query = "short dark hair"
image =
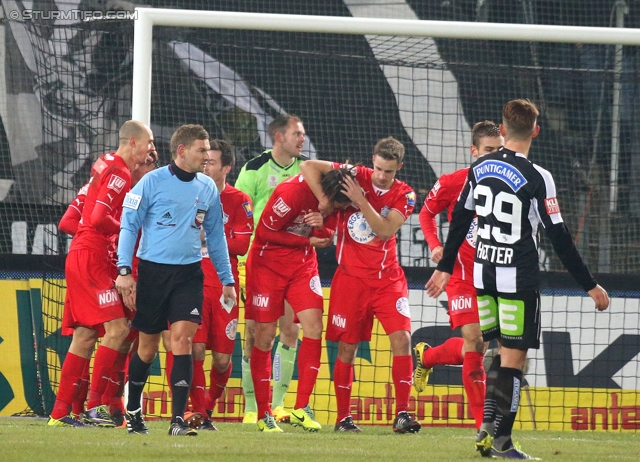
pixel 519 118
pixel 484 129
pixel 280 124
pixel 389 148
pixel 185 135
pixel 227 156
pixel 332 187
pixel 131 128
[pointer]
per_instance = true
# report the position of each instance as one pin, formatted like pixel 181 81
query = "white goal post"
pixel 414 78
pixel 149 17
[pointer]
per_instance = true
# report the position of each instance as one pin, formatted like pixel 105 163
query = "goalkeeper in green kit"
pixel 258 178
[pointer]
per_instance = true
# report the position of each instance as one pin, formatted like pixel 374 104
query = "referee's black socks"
pixel 181 377
pixel 138 374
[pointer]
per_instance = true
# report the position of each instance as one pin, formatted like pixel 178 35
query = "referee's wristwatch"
pixel 124 270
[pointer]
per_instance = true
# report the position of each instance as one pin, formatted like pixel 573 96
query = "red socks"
pixel 342 381
pixel 72 371
pixel 261 372
pixel 401 372
pixel 113 392
pixel 198 386
pixel 474 381
pixel 217 383
pixel 102 367
pixel 82 389
pixel 308 368
pixel 449 353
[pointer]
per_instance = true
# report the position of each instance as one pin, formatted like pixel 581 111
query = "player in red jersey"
pixel 113 393
pixel 282 265
pixel 94 306
pixel 369 280
pixel 69 224
pixel 219 323
pixel 71 219
pixel 467 351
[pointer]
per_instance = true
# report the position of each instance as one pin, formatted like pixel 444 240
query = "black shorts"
pixel 166 294
pixel 513 318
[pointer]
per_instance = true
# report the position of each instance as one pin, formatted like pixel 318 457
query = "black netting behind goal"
pixel 350 91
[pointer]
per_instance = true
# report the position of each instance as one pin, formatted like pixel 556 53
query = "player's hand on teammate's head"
pixel 353 190
pixel 437 283
pixel 600 296
pixel 314 219
pixel 436 254
pixel 320 243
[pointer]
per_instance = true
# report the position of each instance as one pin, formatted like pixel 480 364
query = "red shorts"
pixel 355 301
pixel 463 304
pixel 67 329
pixel 91 298
pixel 218 328
pixel 268 288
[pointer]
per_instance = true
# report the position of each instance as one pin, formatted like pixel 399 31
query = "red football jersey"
pixel 71 218
pixel 444 195
pixel 237 216
pixel 282 233
pixel 109 184
pixel 359 250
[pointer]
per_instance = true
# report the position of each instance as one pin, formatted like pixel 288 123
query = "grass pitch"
pixel 28 439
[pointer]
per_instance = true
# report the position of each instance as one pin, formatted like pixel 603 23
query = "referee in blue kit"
pixel 170 205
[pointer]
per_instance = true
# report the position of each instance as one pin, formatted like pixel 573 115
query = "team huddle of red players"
pixel 358 208
pixel 366 208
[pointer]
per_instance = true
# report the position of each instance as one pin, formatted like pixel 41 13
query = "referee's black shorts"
pixel 166 294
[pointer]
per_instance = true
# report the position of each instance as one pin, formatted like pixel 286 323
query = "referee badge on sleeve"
pixel 132 201
pixel 200 217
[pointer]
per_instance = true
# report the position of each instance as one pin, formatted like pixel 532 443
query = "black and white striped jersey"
pixel 512 197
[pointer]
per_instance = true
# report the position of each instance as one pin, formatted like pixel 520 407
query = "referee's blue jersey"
pixel 171 212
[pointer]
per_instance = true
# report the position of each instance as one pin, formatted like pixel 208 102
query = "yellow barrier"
pixel 24 387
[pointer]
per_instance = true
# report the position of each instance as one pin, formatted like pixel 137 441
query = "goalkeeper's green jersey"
pixel 260 176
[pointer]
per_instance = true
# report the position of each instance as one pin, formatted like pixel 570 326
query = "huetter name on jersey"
pixel 494 254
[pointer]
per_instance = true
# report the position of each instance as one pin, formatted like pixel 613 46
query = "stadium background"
pixel 67 88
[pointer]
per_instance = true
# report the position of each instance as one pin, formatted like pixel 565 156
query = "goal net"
pixel 351 87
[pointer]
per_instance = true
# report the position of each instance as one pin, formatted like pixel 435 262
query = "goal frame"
pixel 149 17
